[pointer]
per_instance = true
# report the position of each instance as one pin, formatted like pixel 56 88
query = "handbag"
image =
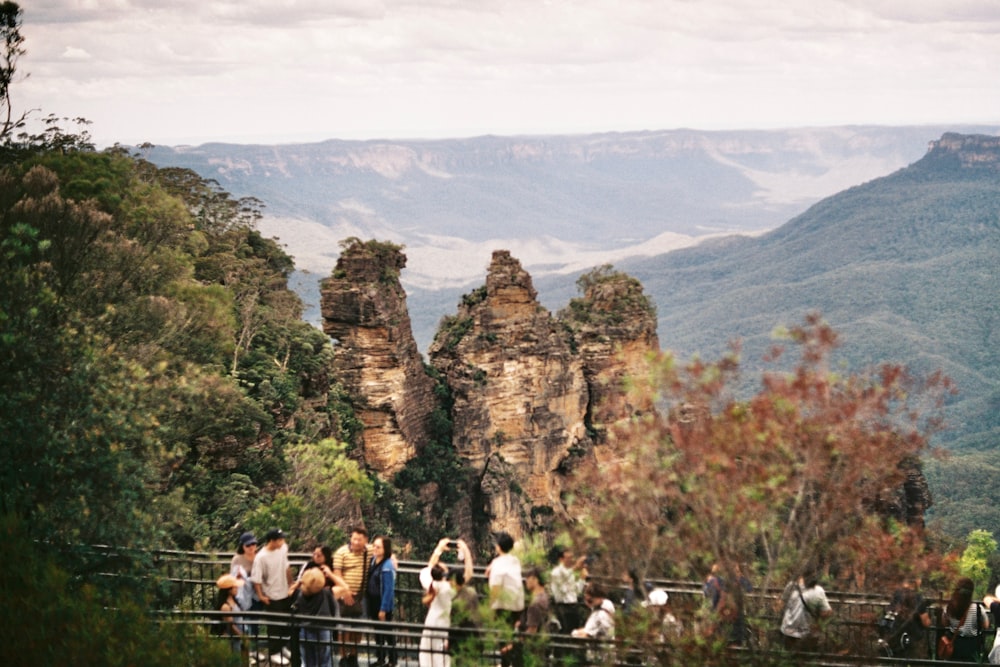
pixel 945 647
pixel 946 642
pixel 352 610
pixel 357 610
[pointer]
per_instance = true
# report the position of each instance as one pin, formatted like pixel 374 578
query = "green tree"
pixel 977 557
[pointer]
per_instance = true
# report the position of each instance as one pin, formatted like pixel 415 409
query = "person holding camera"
pixel 438 597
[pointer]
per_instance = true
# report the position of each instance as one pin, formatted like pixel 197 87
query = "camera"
pixel 452 544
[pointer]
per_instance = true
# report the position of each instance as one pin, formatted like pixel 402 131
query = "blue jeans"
pixel 316 648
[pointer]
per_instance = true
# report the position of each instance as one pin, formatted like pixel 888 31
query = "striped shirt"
pixel 352 566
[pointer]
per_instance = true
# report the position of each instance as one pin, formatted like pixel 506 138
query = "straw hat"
pixel 228 581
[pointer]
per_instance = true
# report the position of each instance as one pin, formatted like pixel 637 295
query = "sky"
pixel 284 71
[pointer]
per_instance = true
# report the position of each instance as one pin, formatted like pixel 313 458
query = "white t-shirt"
pixel 505 573
pixel 270 570
pixel 601 622
pixel 797 621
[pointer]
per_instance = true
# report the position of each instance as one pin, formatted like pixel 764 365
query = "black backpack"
pixel 898 630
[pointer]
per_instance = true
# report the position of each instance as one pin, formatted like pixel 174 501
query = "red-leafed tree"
pixel 796 477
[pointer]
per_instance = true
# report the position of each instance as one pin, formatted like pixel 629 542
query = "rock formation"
pixel 532 396
pixel 968 151
pixel 614 327
pixel 520 396
pixel 376 357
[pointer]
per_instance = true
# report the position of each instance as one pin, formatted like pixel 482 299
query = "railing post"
pixel 296 644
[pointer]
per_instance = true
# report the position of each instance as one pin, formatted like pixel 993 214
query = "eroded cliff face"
pixel 975 151
pixel 520 395
pixel 534 397
pixel 614 327
pixel 376 357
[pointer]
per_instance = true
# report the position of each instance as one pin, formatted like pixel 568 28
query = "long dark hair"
pixel 961 598
pixel 386 547
pixel 327 558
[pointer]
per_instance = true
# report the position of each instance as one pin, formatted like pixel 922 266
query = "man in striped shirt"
pixel 350 569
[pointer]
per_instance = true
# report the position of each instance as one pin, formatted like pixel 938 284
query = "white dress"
pixel 433 641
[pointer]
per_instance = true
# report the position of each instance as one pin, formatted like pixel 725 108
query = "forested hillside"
pixel 905 267
pixel 156 376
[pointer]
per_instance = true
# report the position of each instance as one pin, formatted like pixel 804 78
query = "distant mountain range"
pixel 902 265
pixel 560 204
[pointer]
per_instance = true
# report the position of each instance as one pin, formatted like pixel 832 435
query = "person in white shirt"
pixel 601 622
pixel 566 582
pixel 805 604
pixel 506 585
pixel 270 580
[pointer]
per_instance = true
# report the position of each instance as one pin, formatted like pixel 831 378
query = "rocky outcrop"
pixel 533 397
pixel 520 396
pixel 375 356
pixel 967 151
pixel 614 329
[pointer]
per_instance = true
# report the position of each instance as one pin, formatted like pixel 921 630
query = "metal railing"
pixel 186 591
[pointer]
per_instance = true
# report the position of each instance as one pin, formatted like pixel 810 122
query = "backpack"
pixel 897 630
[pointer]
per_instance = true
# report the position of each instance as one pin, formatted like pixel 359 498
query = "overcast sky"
pixel 270 71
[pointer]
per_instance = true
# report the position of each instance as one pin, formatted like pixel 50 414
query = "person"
pixel 566 582
pixel 965 622
pixel 600 623
pixel 438 597
pixel 270 579
pixel 666 624
pixel 506 587
pixel 633 593
pixel 905 625
pixel 727 603
pixel 350 570
pixel 380 593
pixel 463 638
pixel 321 559
pixel 315 598
pixel 225 602
pixel 534 620
pixel 240 567
pixel 805 604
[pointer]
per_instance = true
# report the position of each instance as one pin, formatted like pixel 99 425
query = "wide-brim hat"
pixel 228 581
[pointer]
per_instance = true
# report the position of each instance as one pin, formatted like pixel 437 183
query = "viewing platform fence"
pixel 184 590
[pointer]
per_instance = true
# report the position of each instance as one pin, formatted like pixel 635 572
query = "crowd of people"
pixel 358 580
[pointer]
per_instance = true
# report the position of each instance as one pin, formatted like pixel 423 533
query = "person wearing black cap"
pixel 240 567
pixel 506 586
pixel 270 579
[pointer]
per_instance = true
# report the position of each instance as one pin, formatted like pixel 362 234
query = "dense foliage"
pixel 791 481
pixel 155 366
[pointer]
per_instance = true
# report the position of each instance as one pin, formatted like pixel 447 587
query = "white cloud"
pixel 73 53
pixel 202 70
